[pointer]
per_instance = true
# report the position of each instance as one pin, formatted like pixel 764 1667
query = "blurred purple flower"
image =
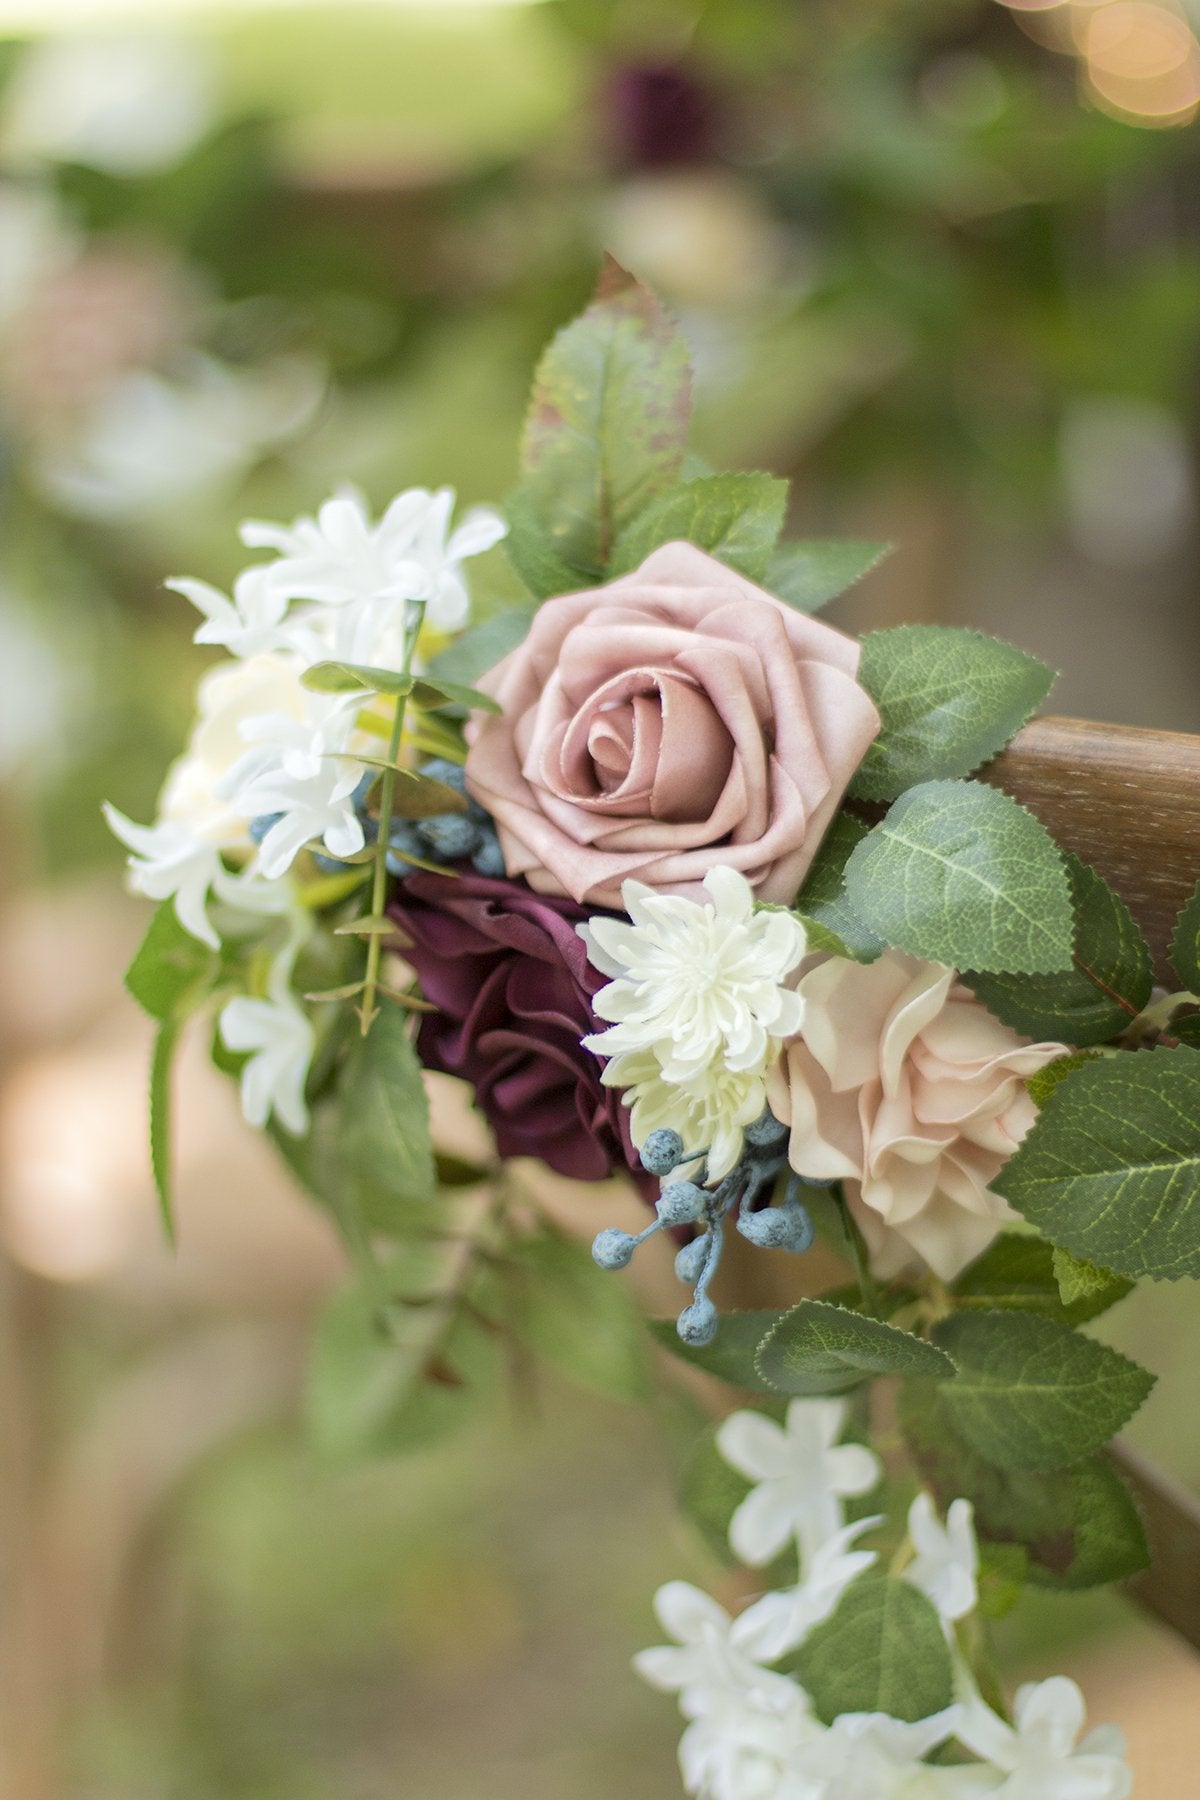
pixel 513 985
pixel 661 115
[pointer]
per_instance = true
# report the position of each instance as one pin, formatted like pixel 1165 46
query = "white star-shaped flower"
pixel 279 1038
pixel 250 623
pixel 1042 1756
pixel 170 863
pixel 801 1474
pixel 946 1565
pixel 780 1621
pixel 870 1756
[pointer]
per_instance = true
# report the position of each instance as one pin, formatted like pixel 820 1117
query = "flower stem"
pixel 367 1010
pixel 868 1292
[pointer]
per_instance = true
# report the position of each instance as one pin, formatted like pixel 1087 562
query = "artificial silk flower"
pixel 946 1565
pixel 871 1756
pixel 170 863
pixel 696 982
pixel 712 1110
pixel 247 624
pixel 781 1620
pixel 1041 1756
pixel 279 1038
pixel 801 1474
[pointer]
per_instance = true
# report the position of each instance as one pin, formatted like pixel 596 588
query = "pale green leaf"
pixel 1185 944
pixel 434 691
pixel 1111 1170
pixel 383 1127
pixel 1020 1271
pixel 1077 1005
pixel 576 1316
pixel 809 575
pixel 882 1651
pixel 532 554
pixel 355 678
pixel 481 648
pixel 166 1043
pixel 1031 1393
pixel 1083 1285
pixel 736 518
pixel 948 698
pixel 960 874
pixel 172 971
pixel 817 1348
pixel 731 1354
pixel 823 899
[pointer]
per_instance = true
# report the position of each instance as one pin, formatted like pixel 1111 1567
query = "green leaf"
pixel 355 678
pixel 1077 1006
pixel 1185 944
pixel 1111 1169
pixel 607 424
pixel 1031 1393
pixel 949 699
pixel 385 1377
pixel 811 574
pixel 1083 1285
pixel 960 874
pixel 172 971
pixel 383 1126
pixel 1020 1271
pixel 481 648
pixel 736 518
pixel 882 1651
pixel 823 898
pixel 166 1043
pixel 577 1317
pixel 1042 1083
pixel 821 1349
pixel 432 692
pixel 1079 1525
pixel 533 556
pixel 731 1354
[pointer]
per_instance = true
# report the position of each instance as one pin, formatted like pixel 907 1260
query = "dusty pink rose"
pixel 904 1086
pixel 676 717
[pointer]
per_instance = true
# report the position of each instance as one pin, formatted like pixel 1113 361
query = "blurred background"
pixel 939 262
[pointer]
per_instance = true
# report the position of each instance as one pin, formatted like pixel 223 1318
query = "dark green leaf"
pixel 1185 944
pixel 1111 1169
pixel 577 1317
pixel 731 1354
pixel 882 1651
pixel 821 1349
pixel 1077 1006
pixel 432 691
pixel 383 1129
pixel 960 874
pixel 811 574
pixel 172 971
pixel 823 896
pixel 1020 1271
pixel 165 1044
pixel 736 518
pixel 949 699
pixel 481 648
pixel 1031 1393
pixel 1078 1525
pixel 608 421
pixel 355 678
pixel 1042 1083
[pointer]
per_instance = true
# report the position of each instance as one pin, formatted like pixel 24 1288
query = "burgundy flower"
pixel 513 985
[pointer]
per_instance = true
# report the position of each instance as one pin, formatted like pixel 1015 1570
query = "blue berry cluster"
pixel 744 1192
pixel 447 837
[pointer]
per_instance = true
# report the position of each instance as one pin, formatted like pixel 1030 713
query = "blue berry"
pixel 786 1227
pixel 697 1323
pixel 489 857
pixel 662 1151
pixel 682 1203
pixel 452 775
pixel 403 837
pixel 691 1260
pixel 613 1249
pixel 766 1131
pixel 450 836
pixel 258 828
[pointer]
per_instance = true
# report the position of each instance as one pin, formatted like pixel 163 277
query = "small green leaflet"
pixel 165 1044
pixel 607 424
pixel 960 874
pixel 1021 1271
pixel 1111 1170
pixel 823 900
pixel 1032 1393
pixel 383 1127
pixel 429 691
pixel 736 518
pixel 481 648
pixel 576 1317
pixel 1042 1083
pixel 821 1349
pixel 731 1354
pixel 1185 944
pixel 809 575
pixel 882 1651
pixel 433 691
pixel 1073 1006
pixel 949 699
pixel 1079 1525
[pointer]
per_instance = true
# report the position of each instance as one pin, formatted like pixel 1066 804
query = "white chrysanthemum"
pixel 946 1565
pixel 712 1111
pixel 697 982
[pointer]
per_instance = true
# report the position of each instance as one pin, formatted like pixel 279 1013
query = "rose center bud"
pixel 648 743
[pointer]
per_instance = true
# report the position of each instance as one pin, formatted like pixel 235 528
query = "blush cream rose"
pixel 906 1088
pixel 677 717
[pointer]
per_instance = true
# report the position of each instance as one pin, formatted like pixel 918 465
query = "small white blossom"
pixel 1041 1756
pixel 280 1039
pixel 696 982
pixel 946 1565
pixel 169 863
pixel 870 1756
pixel 800 1472
pixel 245 625
pixel 780 1621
